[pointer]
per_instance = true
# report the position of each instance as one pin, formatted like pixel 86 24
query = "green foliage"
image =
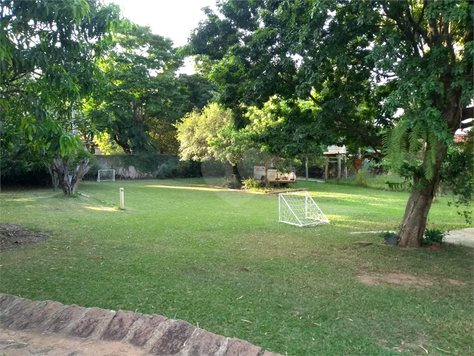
pixel 143 95
pixel 361 178
pixel 252 183
pixel 207 135
pixel 360 63
pixel 387 234
pixel 457 177
pixel 411 143
pixel 152 165
pixel 433 236
pixel 286 128
pixel 48 65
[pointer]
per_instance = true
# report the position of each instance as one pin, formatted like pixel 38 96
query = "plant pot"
pixel 357 163
pixel 393 240
pixel 436 246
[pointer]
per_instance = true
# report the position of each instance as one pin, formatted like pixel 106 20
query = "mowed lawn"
pixel 221 260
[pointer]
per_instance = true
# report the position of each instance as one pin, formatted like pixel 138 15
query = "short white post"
pixel 122 205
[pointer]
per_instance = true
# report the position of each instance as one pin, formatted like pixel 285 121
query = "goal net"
pixel 300 209
pixel 106 175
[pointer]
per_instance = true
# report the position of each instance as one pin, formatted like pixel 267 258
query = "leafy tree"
pixel 48 65
pixel 211 134
pixel 287 128
pixel 144 97
pixel 359 62
pixel 199 91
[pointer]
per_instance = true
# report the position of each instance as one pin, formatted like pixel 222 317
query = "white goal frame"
pixel 299 209
pixel 112 179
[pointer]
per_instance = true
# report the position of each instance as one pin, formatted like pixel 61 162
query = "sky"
pixel 169 18
pixel 174 19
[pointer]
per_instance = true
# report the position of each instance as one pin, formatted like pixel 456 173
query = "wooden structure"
pixel 273 175
pixel 335 154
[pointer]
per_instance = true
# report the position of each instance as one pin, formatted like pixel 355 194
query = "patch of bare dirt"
pixel 17 343
pixel 402 279
pixel 12 235
pixel 412 348
pixel 455 282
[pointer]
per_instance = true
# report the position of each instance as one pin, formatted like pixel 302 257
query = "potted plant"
pixel 391 238
pixel 434 238
pixel 357 163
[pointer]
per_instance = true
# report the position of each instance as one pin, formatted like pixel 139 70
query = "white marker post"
pixel 122 204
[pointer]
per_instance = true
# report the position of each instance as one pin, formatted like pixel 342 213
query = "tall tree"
pixel 144 99
pixel 211 134
pixel 48 53
pixel 360 62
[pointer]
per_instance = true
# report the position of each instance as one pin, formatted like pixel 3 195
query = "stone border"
pixel 155 334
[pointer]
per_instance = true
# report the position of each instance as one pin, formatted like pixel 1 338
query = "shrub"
pixel 387 234
pixel 433 236
pixel 252 183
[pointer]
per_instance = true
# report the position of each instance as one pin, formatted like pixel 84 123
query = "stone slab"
pixel 66 319
pixel 203 343
pixel 237 347
pixel 18 311
pixel 120 325
pixel 37 316
pixel 91 322
pixel 5 302
pixel 463 237
pixel 146 329
pixel 173 338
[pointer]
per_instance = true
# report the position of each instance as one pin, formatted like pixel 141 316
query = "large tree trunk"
pixel 67 177
pixel 419 204
pixel 236 175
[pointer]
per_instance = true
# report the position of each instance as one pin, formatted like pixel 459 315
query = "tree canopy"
pixel 362 63
pixel 142 98
pixel 48 64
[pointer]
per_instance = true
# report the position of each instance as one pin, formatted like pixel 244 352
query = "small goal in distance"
pixel 299 209
pixel 106 175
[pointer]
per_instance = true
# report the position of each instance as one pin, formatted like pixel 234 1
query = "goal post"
pixel 299 209
pixel 106 175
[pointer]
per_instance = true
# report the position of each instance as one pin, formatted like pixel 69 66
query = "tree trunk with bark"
pixel 236 175
pixel 267 182
pixel 69 178
pixel 419 203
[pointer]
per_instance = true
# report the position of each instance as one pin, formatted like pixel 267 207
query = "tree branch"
pixel 409 34
pixel 373 143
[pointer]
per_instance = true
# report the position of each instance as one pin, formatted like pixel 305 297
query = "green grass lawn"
pixel 220 259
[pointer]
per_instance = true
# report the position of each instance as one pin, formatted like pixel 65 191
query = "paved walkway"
pixel 53 329
pixel 461 237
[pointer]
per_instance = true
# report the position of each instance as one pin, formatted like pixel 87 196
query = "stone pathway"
pixel 461 237
pixel 53 329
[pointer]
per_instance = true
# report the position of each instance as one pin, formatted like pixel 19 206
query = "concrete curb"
pixel 154 334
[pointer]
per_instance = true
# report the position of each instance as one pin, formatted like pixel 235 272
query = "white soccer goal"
pixel 300 209
pixel 106 175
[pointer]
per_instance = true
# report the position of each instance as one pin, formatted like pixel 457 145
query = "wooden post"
pixel 306 168
pixel 122 204
pixel 345 167
pixel 267 182
pixel 338 168
pixel 326 171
